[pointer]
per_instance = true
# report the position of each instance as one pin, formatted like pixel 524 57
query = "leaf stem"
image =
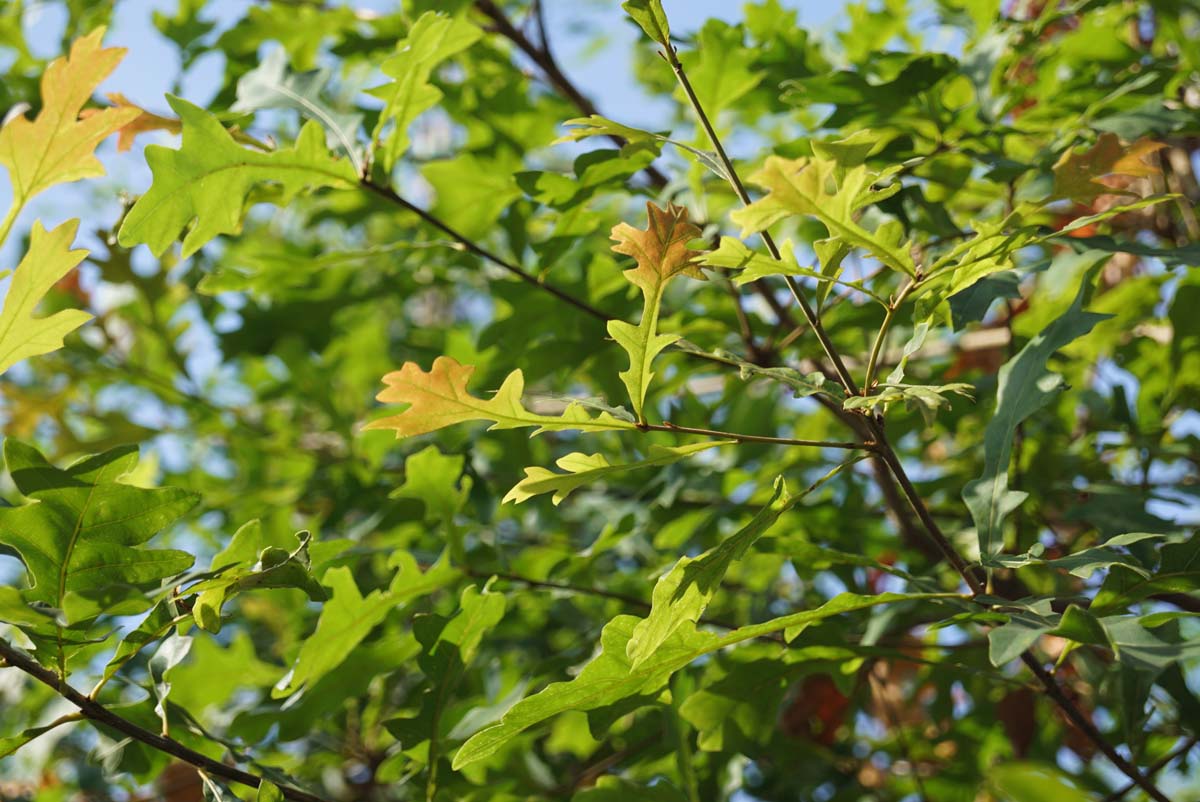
pixel 10 217
pixel 667 426
pixel 888 317
pixel 93 710
pixel 735 181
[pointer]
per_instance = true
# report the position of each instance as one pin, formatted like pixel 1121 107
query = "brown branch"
pixel 542 57
pixel 1155 767
pixel 391 195
pixel 94 711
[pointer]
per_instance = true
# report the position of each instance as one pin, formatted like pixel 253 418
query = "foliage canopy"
pixel 837 441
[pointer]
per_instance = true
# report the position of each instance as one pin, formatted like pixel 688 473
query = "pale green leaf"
pixel 831 193
pixel 23 335
pixel 433 38
pixel 611 677
pixel 584 469
pixel 649 15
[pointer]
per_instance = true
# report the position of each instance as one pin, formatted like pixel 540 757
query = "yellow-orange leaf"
pixel 440 398
pixel 143 122
pixel 662 252
pixel 58 145
pixel 1101 169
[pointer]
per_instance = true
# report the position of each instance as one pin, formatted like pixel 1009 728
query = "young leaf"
pixel 57 146
pixel 432 39
pixel 143 122
pixel 49 259
pixel 272 86
pixel 1081 176
pixel 733 253
pixel 927 398
pixel 209 178
pixel 611 677
pixel 650 16
pixel 682 594
pixel 595 125
pixel 662 252
pixel 1025 386
pixel 832 193
pixel 83 529
pixel 439 398
pixel 583 469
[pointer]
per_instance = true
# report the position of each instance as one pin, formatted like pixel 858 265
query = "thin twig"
pixel 667 426
pixel 1155 768
pixel 735 181
pixel 391 195
pixel 100 714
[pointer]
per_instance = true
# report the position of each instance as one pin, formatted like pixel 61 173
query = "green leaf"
pixel 448 648
pixel 584 469
pixel 682 594
pixel 649 15
pixel 610 677
pixel 1007 643
pixel 833 194
pixel 12 743
pixel 1033 782
pixel 611 788
pixel 49 259
pixel 439 398
pixel 1025 386
pixel 432 39
pixel 345 620
pixel 595 125
pixel 83 529
pixel 437 481
pixel 272 86
pixel 268 792
pixel 250 563
pixel 210 177
pixel 662 252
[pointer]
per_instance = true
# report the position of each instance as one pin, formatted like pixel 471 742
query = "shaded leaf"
pixel 1085 176
pixel 1025 386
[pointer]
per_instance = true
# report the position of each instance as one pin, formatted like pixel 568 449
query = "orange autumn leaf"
pixel 662 252
pixel 1085 176
pixel 143 122
pixel 440 398
pixel 58 145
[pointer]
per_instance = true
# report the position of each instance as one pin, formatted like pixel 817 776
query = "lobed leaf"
pixel 208 179
pixel 58 145
pixel 586 468
pixel 440 398
pixel 662 253
pixel 49 259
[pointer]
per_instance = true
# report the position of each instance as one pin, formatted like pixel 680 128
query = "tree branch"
pixel 94 711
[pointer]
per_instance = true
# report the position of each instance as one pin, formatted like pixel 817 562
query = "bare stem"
pixel 755 438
